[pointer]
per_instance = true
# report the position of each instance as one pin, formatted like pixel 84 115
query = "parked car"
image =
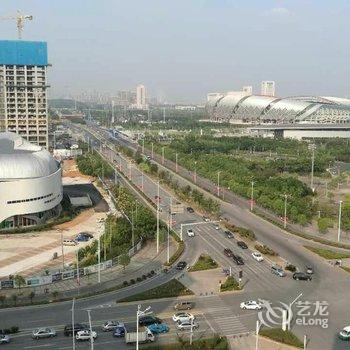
pixel 250 305
pixel 228 252
pixel 184 305
pixel 111 325
pixel 69 242
pixel 190 233
pixel 309 270
pixel 217 227
pixel 237 259
pixel 186 325
pixel 43 333
pixel 83 237
pixel 183 316
pixel 119 332
pixel 229 234
pixel 277 270
pixel 181 265
pixel 148 320
pixel 4 339
pixel 190 210
pixel 68 329
pixel 257 256
pixel 157 328
pixel 242 245
pixel 344 334
pixel 206 219
pixel 302 276
pixel 85 335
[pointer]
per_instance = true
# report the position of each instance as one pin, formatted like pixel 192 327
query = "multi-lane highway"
pixel 216 313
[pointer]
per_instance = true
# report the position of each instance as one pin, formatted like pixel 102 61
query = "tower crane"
pixel 20 19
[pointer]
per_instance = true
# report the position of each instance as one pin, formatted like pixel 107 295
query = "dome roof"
pixel 20 159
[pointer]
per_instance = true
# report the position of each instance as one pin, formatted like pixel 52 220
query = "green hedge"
pixel 328 254
pixel 243 232
pixel 284 337
pixel 264 249
pixel 204 262
pixel 230 284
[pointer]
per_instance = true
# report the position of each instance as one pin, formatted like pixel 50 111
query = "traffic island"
pixel 204 262
pixel 170 289
pixel 230 284
pixel 281 336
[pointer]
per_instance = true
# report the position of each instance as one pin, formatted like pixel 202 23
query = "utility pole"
pixel 252 197
pixel 158 192
pixel 339 220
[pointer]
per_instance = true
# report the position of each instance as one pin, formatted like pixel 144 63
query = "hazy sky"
pixel 182 49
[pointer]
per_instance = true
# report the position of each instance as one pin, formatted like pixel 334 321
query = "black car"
pixel 229 234
pixel 68 329
pixel 237 259
pixel 148 320
pixel 302 276
pixel 228 252
pixel 242 245
pixel 181 265
pixel 190 210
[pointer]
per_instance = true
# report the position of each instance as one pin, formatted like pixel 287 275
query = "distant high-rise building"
pixel 248 90
pixel 141 97
pixel 268 88
pixel 23 85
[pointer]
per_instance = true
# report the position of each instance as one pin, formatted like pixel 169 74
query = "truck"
pixel 145 335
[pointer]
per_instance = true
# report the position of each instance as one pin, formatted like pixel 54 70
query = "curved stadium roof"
pixel 266 109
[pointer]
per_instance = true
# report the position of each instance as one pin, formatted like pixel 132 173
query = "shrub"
pixel 152 272
pixel 149 274
pixel 14 329
pixel 125 283
pixel 291 268
pixel 230 284
pixel 144 277
pixel 264 249
pixel 132 281
pixel 243 232
pixel 138 279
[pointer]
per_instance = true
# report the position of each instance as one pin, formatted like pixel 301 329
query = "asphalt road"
pixel 215 313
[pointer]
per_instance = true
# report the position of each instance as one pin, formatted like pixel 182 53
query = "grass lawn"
pixel 204 262
pixel 328 254
pixel 173 288
pixel 284 337
pixel 230 284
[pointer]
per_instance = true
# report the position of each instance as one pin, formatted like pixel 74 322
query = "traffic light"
pixel 240 274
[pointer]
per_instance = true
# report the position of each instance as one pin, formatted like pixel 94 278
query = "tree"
pixel 14 298
pixel 19 281
pixel 124 260
pixel 31 296
pixel 2 299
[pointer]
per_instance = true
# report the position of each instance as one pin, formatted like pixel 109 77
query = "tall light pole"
pixel 73 336
pixel 158 192
pixel 252 197
pixel 176 163
pixel 339 220
pixel 99 257
pixel 90 326
pixel 78 277
pixel 218 188
pixel 285 211
pixel 139 313
pixel 169 226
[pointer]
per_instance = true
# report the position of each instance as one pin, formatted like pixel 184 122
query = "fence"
pixel 59 275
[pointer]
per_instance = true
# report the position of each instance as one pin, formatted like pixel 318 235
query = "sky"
pixel 183 49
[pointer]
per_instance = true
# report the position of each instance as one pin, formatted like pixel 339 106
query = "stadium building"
pixel 241 108
pixel 30 183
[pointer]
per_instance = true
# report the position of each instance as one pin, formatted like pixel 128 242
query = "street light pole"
pixel 138 314
pixel 158 216
pixel 99 257
pixel 132 228
pixel 218 188
pixel 252 198
pixel 73 336
pixel 339 220
pixel 312 166
pixel 285 211
pixel 90 325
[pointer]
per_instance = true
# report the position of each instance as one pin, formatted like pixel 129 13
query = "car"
pixel 181 265
pixel 190 233
pixel 157 328
pixel 277 270
pixel 206 219
pixel 43 333
pixel 237 259
pixel 301 276
pixel 190 210
pixel 111 325
pixel 119 332
pixel 257 256
pixel 69 242
pixel 68 329
pixel 186 325
pixel 182 317
pixel 148 320
pixel 242 245
pixel 85 335
pixel 309 270
pixel 250 305
pixel 228 252
pixel 184 305
pixel 4 339
pixel 344 334
pixel 228 234
pixel 217 227
pixel 82 238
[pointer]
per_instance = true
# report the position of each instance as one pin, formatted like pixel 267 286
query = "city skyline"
pixel 182 51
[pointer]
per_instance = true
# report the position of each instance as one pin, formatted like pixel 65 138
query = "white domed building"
pixel 30 183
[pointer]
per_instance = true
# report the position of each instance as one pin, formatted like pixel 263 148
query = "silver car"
pixel 186 325
pixel 43 333
pixel 4 339
pixel 111 325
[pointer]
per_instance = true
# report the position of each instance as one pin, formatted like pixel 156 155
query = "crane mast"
pixel 20 19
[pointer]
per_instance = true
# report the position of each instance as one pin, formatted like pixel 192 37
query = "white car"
pixel 250 305
pixel 183 317
pixel 190 233
pixel 186 325
pixel 257 256
pixel 85 335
